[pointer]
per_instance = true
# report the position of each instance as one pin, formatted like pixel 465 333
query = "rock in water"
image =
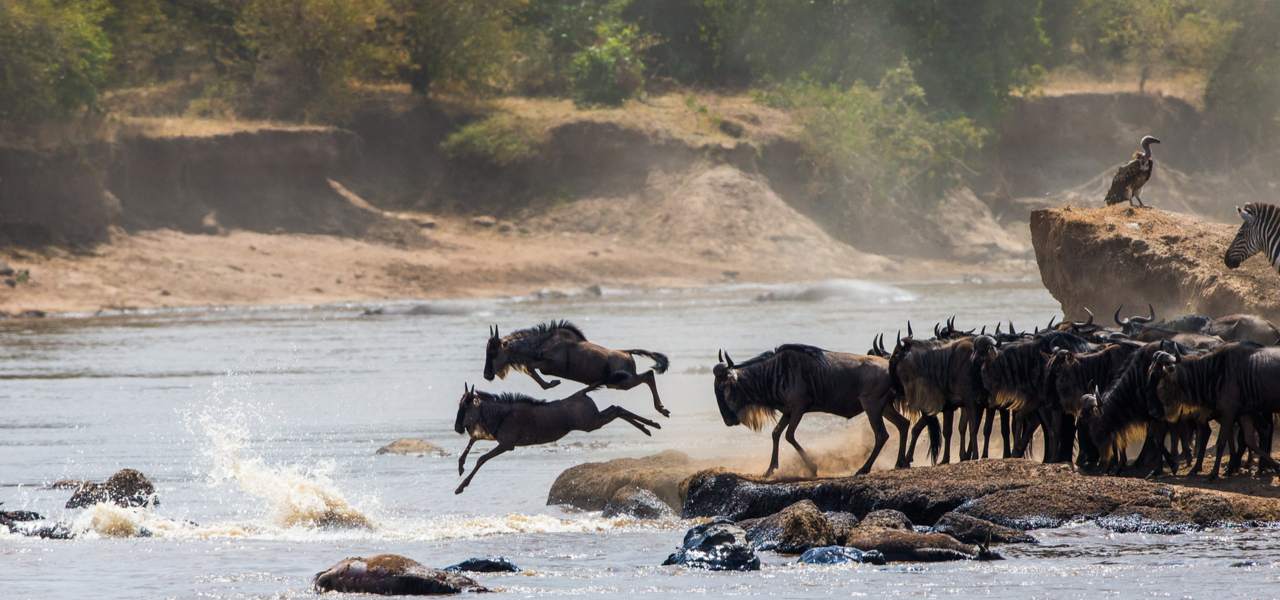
pixel 486 564
pixel 391 575
pixel 972 530
pixel 637 502
pixel 126 488
pixel 841 523
pixel 716 546
pixel 792 530
pixel 905 545
pixel 412 447
pixel 835 555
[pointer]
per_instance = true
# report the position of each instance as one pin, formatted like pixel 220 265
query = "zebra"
pixel 1260 231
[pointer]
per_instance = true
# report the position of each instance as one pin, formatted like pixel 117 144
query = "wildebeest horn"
pixel 909 332
pixel 1090 313
pixel 1012 331
pixel 984 330
pixel 936 332
pixel 997 328
pixel 899 340
pixel 1119 321
pixel 1152 310
pixel 1051 318
pixel 728 361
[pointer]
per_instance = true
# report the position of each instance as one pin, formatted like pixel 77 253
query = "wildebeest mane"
pixel 761 381
pixel 526 344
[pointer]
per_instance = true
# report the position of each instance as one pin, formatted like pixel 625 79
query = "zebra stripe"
pixel 1259 232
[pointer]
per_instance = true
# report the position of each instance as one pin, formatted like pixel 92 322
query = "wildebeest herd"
pixel 1092 391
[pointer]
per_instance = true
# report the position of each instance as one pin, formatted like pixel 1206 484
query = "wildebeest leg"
pixel 1253 441
pixel 462 460
pixel 777 436
pixel 537 378
pixel 970 423
pixel 1052 425
pixel 623 380
pixel 901 423
pixel 607 416
pixel 1004 431
pixel 876 420
pixel 986 430
pixel 1202 445
pixel 791 439
pixel 1226 432
pixel 948 415
pixel 479 463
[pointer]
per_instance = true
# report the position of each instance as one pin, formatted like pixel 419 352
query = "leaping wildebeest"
pixel 794 379
pixel 518 420
pixel 560 349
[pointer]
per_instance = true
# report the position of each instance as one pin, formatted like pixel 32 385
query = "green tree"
pixel 463 43
pixel 1243 94
pixel 53 57
pixel 306 53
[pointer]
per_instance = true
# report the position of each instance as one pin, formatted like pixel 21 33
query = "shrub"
pixel 53 57
pixel 610 71
pixel 463 43
pixel 499 140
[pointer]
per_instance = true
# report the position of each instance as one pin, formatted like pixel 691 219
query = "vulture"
pixel 1131 176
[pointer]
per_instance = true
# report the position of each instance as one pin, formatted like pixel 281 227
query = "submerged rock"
pixel 792 530
pixel 904 545
pixel 412 447
pixel 637 502
pixel 486 564
pixel 391 574
pixel 972 530
pixel 126 487
pixel 716 546
pixel 835 555
pixel 841 523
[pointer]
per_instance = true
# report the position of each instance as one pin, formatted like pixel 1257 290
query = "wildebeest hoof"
pixel 664 412
pixel 459 490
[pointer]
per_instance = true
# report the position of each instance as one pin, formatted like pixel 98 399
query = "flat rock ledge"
pixel 590 486
pixel 1015 493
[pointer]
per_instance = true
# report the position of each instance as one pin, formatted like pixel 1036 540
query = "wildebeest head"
pixel 495 356
pixel 468 409
pixel 1065 380
pixel 725 378
pixel 1132 325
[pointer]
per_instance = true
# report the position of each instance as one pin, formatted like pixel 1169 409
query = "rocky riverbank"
pixel 1104 257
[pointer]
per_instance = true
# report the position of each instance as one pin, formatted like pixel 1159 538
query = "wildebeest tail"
pixel 660 362
pixel 934 429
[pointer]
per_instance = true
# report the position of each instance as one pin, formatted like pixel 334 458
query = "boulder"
pixel 126 487
pixel 836 555
pixel 972 530
pixel 1105 257
pixel 590 486
pixel 841 522
pixel 637 502
pixel 792 530
pixel 412 447
pixel 716 546
pixel 905 545
pixel 888 519
pixel 391 575
pixel 486 564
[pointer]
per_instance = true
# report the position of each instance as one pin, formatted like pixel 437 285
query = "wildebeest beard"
pixel 752 394
pixel 1123 415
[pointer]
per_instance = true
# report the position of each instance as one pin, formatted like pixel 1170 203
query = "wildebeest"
pixel 1121 413
pixel 560 349
pixel 795 379
pixel 1200 331
pixel 1013 376
pixel 1234 383
pixel 1068 376
pixel 518 420
pixel 933 376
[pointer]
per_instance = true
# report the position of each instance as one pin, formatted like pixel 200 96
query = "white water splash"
pixel 295 495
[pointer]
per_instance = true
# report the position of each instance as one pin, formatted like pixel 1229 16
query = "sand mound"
pixel 718 213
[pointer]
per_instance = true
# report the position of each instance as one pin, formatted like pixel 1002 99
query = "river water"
pixel 252 422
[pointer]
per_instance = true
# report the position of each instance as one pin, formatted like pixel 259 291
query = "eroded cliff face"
pixel 1104 257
